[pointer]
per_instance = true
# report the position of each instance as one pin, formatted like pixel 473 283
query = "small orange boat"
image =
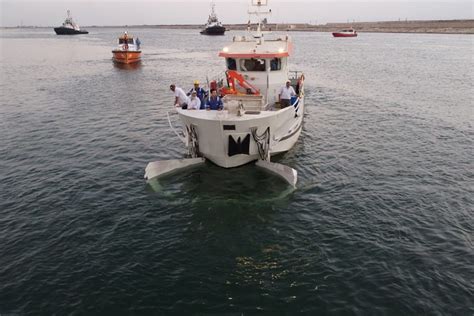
pixel 128 50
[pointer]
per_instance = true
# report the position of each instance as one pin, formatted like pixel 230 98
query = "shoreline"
pixel 421 26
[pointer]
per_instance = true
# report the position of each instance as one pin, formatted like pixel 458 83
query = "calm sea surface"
pixel 382 220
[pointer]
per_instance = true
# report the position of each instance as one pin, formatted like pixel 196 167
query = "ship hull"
pixel 227 140
pixel 214 30
pixel 68 31
pixel 344 34
pixel 126 57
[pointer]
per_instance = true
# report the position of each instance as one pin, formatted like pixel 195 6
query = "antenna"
pixel 259 4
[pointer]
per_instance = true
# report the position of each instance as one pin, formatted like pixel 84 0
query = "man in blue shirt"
pixel 214 102
pixel 200 92
pixel 138 43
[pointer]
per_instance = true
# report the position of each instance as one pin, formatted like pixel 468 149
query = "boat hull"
pixel 227 140
pixel 68 31
pixel 126 57
pixel 344 35
pixel 214 30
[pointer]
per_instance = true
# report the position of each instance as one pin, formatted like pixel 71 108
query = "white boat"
pixel 252 126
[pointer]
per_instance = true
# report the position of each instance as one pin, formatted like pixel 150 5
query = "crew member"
pixel 214 102
pixel 286 92
pixel 125 40
pixel 138 43
pixel 194 102
pixel 200 92
pixel 180 100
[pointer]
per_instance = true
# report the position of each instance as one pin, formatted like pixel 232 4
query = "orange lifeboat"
pixel 128 50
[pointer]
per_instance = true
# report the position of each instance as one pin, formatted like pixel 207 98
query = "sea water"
pixel 381 221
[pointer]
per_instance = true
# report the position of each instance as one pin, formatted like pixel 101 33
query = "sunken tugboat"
pixel 128 50
pixel 254 124
pixel 213 26
pixel 69 27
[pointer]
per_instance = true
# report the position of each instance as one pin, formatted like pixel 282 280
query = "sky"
pixel 150 12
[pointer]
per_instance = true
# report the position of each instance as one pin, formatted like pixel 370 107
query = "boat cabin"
pixel 262 63
pixel 128 42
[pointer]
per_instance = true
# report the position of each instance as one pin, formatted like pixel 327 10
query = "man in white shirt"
pixel 194 102
pixel 286 92
pixel 181 100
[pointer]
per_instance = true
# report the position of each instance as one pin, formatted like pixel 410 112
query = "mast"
pixel 213 6
pixel 213 15
pixel 259 33
pixel 258 13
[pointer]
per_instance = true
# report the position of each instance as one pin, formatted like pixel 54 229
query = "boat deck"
pixel 225 115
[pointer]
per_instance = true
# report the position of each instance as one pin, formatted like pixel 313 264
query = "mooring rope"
pixel 263 142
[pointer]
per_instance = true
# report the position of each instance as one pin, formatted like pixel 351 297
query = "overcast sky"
pixel 129 12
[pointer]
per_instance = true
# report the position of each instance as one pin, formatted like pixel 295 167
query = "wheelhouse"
pixel 126 41
pixel 263 63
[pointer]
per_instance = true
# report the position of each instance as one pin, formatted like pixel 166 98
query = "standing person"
pixel 181 100
pixel 194 102
pixel 200 92
pixel 286 92
pixel 138 43
pixel 125 40
pixel 214 102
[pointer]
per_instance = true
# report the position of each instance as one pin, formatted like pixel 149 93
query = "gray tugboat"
pixel 69 27
pixel 213 26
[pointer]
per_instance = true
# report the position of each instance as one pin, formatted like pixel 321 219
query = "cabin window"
pixel 129 41
pixel 252 64
pixel 231 64
pixel 275 64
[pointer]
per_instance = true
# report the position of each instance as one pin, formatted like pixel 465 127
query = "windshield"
pixel 122 41
pixel 252 64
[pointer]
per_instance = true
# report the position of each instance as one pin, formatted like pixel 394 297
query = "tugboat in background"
pixel 128 50
pixel 345 33
pixel 69 27
pixel 213 26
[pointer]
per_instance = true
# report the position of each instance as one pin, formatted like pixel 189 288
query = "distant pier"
pixel 402 26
